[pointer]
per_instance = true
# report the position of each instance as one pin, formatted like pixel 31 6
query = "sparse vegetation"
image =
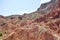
pixel 0 34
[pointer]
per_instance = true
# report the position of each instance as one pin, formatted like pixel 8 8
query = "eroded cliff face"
pixel 43 27
pixel 47 7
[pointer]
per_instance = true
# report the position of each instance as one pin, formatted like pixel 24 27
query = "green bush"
pixel 0 33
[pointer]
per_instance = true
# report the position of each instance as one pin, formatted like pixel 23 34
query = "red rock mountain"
pixel 43 24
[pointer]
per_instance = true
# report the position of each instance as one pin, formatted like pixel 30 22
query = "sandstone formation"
pixel 43 24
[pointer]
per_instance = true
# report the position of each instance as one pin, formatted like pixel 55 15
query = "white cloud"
pixel 44 1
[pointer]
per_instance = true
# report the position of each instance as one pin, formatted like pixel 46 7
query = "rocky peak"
pixel 49 6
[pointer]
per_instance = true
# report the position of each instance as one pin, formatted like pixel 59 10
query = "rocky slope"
pixel 43 24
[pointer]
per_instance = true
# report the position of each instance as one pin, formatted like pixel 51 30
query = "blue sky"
pixel 10 7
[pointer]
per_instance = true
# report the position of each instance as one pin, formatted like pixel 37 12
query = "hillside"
pixel 43 24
